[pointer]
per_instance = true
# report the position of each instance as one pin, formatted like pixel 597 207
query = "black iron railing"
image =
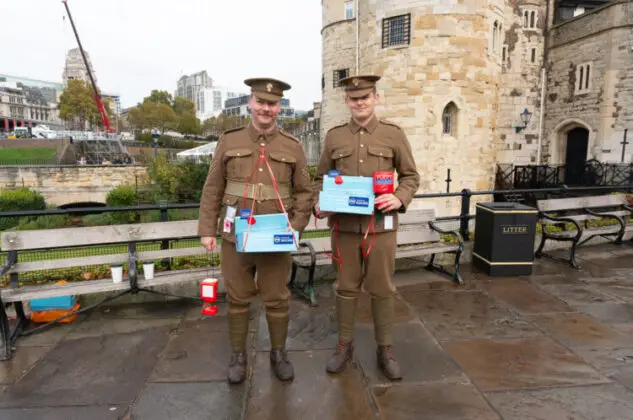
pixel 591 174
pixel 165 211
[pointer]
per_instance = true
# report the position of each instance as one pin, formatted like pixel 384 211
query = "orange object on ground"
pixel 47 316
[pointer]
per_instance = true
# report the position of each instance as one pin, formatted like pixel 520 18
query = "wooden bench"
pixel 418 235
pixel 578 211
pixel 131 235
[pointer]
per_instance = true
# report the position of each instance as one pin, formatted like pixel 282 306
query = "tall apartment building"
pixel 208 98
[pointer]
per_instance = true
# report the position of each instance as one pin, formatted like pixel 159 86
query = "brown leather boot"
pixel 338 361
pixel 237 368
pixel 387 363
pixel 278 330
pixel 281 365
pixel 238 330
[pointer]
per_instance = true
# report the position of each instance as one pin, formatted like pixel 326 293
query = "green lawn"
pixel 18 155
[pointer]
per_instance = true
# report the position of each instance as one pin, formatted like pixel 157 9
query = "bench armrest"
pixel 9 262
pixel 606 216
pixel 455 233
pixel 562 220
pixel 308 245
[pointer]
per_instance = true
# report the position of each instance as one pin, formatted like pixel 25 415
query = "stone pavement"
pixel 554 345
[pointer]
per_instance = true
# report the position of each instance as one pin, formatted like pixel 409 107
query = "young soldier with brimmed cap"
pixel 360 147
pixel 235 163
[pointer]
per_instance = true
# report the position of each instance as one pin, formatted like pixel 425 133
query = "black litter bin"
pixel 504 238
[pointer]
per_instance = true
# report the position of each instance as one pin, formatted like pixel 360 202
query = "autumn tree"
pixel 77 106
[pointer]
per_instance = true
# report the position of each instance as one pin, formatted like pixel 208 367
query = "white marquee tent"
pixel 197 152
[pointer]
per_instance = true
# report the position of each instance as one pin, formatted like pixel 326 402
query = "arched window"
pixel 495 36
pixel 449 119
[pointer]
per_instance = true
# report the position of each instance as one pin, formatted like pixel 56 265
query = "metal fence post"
pixel 163 218
pixel 465 213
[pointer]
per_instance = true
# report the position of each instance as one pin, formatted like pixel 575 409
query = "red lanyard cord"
pixel 263 157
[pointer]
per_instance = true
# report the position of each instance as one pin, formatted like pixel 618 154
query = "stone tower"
pixel 440 62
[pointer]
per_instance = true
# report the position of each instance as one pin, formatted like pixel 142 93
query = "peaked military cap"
pixel 360 85
pixel 266 88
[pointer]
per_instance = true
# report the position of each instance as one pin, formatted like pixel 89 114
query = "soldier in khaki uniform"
pixel 236 161
pixel 360 147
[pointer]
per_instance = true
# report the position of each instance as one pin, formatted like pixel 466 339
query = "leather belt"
pixel 262 191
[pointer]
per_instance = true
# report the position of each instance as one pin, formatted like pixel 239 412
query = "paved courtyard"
pixel 555 345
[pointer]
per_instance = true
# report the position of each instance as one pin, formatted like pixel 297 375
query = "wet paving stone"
pixel 460 315
pixel 620 287
pixel 577 330
pixel 418 353
pixel 107 412
pixel 309 328
pixel 99 327
pixel 578 294
pixel 527 298
pixel 364 314
pixel 313 394
pixel 428 280
pixel 89 371
pixel 610 313
pixel 191 401
pixel 49 336
pixel 194 357
pixel 22 360
pixel 597 402
pixel 175 308
pixel 432 401
pixel 521 363
pixel 556 279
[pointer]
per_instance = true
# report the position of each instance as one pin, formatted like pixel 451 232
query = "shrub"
pixel 19 200
pixel 123 196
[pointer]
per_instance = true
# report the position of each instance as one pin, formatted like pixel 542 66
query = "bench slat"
pixel 581 202
pixel 583 217
pixel 97 235
pixel 106 285
pixel 69 262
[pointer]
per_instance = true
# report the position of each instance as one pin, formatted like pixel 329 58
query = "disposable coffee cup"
pixel 117 273
pixel 148 270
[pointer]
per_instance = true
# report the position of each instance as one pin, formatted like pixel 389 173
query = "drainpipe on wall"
pixel 543 83
pixel 357 38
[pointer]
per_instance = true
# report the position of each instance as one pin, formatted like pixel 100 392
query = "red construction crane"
pixel 97 95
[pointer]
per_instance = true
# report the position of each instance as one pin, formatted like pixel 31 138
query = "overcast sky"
pixel 139 45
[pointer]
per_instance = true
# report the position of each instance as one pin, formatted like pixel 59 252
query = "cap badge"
pixel 355 82
pixel 269 87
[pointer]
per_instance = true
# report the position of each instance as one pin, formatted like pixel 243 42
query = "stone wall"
pixel 520 86
pixel 603 38
pixel 71 184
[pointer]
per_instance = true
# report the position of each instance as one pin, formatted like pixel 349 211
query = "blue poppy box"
pixel 52 303
pixel 355 194
pixel 268 234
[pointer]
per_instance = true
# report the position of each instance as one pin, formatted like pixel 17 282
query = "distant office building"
pixel 208 98
pixel 239 107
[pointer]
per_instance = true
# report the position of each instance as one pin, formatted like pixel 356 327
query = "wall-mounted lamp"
pixel 525 119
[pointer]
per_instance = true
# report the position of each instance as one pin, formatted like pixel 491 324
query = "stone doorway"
pixel 577 146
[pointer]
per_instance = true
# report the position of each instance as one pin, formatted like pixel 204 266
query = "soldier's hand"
pixel 321 214
pixel 387 202
pixel 210 243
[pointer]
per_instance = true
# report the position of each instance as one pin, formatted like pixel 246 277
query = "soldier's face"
pixel 264 112
pixel 362 107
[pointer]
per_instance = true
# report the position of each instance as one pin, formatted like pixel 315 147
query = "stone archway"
pixel 559 137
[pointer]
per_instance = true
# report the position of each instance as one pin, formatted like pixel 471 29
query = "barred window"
pixel 396 30
pixel 338 75
pixel 449 119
